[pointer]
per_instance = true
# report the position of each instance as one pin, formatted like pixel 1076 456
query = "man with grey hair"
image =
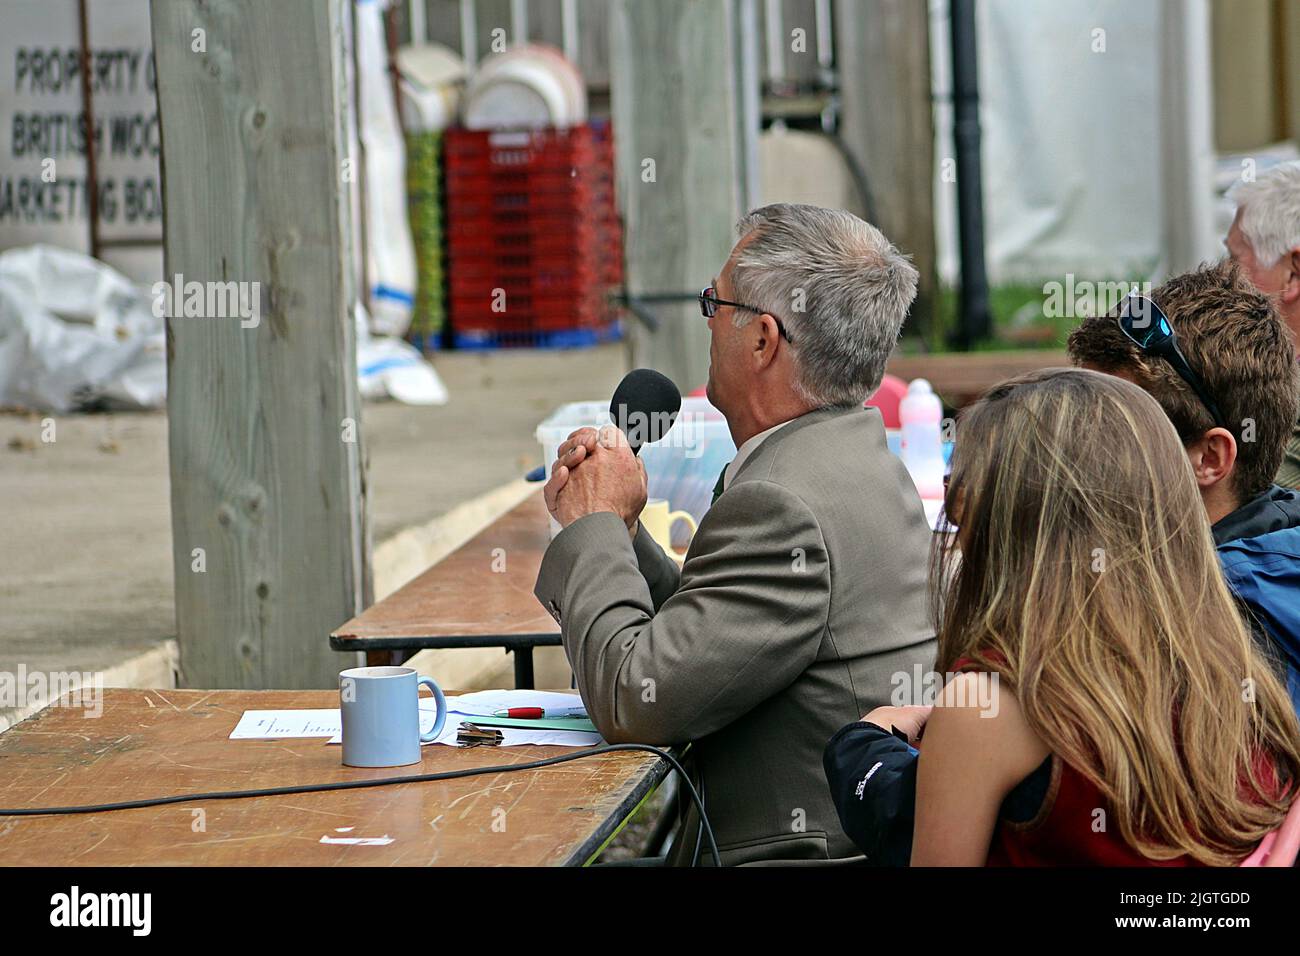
pixel 1264 240
pixel 802 601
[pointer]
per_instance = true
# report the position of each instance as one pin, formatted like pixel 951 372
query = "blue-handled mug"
pixel 380 708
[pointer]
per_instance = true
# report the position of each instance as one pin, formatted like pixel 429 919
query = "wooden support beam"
pixel 682 163
pixel 882 51
pixel 267 477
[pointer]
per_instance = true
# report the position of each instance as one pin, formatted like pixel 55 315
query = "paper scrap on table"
pixel 358 841
pixel 275 724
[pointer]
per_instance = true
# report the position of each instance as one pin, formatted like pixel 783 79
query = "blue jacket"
pixel 1259 548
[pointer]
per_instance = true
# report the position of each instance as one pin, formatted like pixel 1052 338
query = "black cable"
pixel 383 782
pixel 699 831
pixel 857 173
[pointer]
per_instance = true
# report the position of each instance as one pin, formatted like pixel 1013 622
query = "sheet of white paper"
pixel 276 724
pixel 484 703
pixel 487 702
pixel 273 724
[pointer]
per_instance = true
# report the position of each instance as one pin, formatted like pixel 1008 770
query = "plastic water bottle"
pixel 921 413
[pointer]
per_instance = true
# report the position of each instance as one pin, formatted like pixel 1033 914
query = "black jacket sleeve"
pixel 872 775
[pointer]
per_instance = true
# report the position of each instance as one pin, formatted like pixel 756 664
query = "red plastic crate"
pixel 522 150
pixel 475 315
pixel 532 214
pixel 560 181
pixel 489 206
pixel 526 287
pixel 544 228
pixel 489 267
pixel 494 254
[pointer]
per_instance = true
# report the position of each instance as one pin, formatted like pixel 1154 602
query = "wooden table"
pixel 480 595
pixel 962 377
pixel 156 743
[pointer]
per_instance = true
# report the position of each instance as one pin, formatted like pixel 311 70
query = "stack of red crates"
pixel 534 245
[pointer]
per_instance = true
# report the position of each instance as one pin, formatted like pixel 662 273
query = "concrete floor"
pixel 86 567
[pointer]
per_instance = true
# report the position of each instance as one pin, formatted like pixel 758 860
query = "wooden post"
pixel 682 164
pixel 267 480
pixel 883 56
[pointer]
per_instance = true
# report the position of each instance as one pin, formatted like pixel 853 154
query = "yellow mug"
pixel 658 522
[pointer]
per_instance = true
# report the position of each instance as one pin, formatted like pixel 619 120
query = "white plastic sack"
pixel 391 368
pixel 75 333
pixel 390 252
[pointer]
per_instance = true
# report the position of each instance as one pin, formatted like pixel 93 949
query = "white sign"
pixel 43 134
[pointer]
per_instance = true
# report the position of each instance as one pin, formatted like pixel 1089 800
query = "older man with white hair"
pixel 802 601
pixel 1264 240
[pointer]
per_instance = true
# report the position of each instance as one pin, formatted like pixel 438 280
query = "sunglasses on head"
pixel 1151 331
pixel 709 303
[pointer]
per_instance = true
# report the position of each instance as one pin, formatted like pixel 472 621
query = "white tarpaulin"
pixel 1069 108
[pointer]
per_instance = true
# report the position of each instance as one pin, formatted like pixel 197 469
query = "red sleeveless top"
pixel 1074 826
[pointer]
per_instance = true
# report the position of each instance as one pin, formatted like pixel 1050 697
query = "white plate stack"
pixel 531 86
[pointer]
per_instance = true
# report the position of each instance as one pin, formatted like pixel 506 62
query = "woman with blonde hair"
pixel 1104 703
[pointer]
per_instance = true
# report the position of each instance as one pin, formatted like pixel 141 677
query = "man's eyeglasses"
pixel 709 303
pixel 1143 322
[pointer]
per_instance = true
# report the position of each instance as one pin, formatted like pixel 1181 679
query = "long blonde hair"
pixel 1089 582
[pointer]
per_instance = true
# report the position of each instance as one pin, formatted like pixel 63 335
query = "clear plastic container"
pixel 682 467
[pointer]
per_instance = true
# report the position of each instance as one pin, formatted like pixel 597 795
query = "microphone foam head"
pixel 644 406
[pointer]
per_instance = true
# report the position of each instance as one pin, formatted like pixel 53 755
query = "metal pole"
pixel 825 41
pixel 418 22
pixel 88 112
pixel 976 323
pixel 519 20
pixel 569 29
pixel 774 25
pixel 1186 141
pixel 469 33
pixel 749 107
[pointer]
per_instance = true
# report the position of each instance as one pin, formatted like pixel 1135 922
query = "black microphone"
pixel 644 406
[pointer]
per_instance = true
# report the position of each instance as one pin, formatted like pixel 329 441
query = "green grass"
pixel 1019 318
